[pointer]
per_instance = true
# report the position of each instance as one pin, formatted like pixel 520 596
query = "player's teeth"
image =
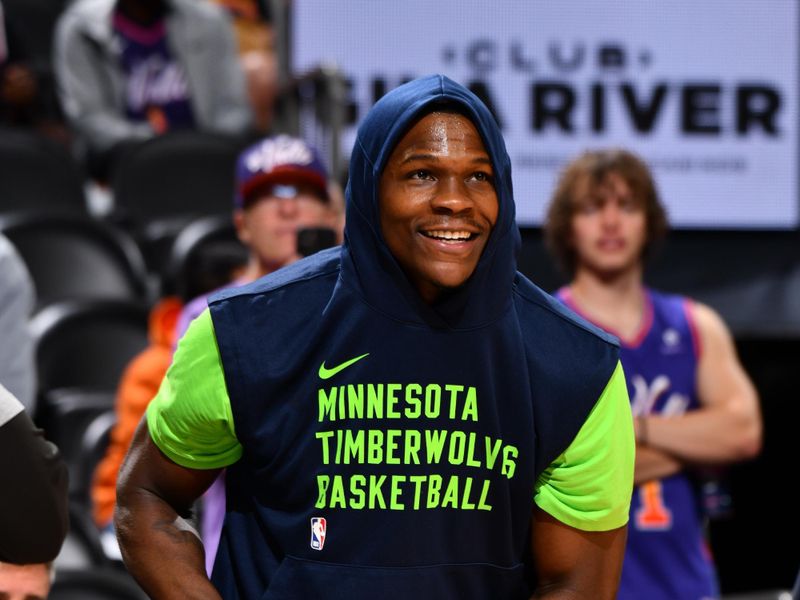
pixel 450 235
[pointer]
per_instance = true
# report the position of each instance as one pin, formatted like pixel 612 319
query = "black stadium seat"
pixel 71 257
pixel 38 175
pixel 165 182
pixel 92 449
pixel 176 175
pixel 87 344
pixel 34 22
pixel 67 414
pixel 82 349
pixel 205 256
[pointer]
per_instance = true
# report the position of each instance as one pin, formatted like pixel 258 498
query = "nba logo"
pixel 318 530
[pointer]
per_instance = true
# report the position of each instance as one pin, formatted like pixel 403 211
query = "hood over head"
pixel 368 264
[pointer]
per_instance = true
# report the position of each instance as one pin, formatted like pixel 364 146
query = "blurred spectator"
pixel 17 299
pixel 128 70
pixel 17 80
pixel 33 480
pixel 257 52
pixel 281 188
pixel 24 582
pixel 692 402
pixel 251 23
pixel 25 98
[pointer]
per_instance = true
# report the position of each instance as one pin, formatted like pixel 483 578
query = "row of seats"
pixel 73 257
pixel 176 174
pixel 92 314
pixel 37 174
pixel 94 293
pixel 158 187
pixel 82 349
pixel 170 232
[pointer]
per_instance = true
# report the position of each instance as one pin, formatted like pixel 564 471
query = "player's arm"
pixel 653 464
pixel 154 495
pixel 574 564
pixel 727 427
pixel 187 437
pixel 582 502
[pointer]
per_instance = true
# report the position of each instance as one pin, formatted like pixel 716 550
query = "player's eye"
pixel 421 174
pixel 483 176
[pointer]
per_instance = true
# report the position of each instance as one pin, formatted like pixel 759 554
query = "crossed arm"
pixel 726 428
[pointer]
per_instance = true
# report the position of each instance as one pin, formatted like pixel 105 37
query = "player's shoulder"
pixel 548 314
pixel 706 320
pixel 317 273
pixel 699 315
pixel 662 299
pixel 570 363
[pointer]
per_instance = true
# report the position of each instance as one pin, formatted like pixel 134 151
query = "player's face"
pixel 438 203
pixel 269 223
pixel 608 226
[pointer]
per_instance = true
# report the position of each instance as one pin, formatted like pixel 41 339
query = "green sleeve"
pixel 190 418
pixel 589 486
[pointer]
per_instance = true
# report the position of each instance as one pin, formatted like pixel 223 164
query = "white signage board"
pixel 706 92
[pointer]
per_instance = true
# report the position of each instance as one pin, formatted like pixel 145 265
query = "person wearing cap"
pixel 282 186
pixel 404 416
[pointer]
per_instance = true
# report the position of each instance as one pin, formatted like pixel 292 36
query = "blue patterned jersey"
pixel 667 557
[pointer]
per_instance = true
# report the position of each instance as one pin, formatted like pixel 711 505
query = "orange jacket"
pixel 139 384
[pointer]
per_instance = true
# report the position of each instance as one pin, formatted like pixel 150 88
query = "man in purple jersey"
pixel 692 402
pixel 129 70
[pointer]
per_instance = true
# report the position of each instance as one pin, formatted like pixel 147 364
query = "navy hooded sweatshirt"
pixel 391 448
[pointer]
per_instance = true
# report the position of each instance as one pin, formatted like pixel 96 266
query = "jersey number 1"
pixel 652 514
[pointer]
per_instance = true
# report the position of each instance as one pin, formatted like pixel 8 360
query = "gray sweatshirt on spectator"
pixel 17 366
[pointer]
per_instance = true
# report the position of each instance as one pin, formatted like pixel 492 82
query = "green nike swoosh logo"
pixel 325 373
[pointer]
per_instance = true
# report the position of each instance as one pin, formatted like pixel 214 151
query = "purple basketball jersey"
pixel 156 88
pixel 666 557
